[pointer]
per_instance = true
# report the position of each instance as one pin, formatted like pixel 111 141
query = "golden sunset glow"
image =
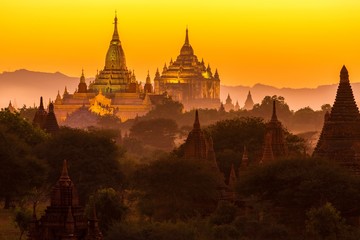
pixel 277 42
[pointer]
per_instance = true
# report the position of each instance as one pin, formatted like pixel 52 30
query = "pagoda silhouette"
pixel 340 137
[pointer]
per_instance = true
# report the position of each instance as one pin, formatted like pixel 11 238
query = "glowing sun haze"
pixel 284 43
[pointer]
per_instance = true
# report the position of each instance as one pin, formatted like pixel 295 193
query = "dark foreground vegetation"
pixel 144 189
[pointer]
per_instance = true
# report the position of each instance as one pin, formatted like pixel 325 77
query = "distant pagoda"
pixel 228 104
pixel 274 146
pixel 46 120
pixel 340 137
pixel 188 80
pixel 249 103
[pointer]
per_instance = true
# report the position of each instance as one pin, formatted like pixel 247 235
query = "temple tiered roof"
pixel 340 137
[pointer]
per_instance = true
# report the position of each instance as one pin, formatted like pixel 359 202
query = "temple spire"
pixel 115 38
pixel 82 78
pixel 64 173
pixel 196 122
pixel 274 116
pixel 148 78
pixel 187 37
pixel 41 107
pixel 344 74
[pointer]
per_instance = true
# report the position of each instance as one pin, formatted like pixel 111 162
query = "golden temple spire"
pixel 187 37
pixel 148 81
pixel 82 78
pixel 115 38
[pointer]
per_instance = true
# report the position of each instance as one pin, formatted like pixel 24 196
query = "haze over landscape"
pixel 25 87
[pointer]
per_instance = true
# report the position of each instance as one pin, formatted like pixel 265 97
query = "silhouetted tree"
pixel 20 169
pixel 172 188
pixel 169 109
pixel 264 109
pixel 93 159
pixel 292 187
pixel 158 132
pixel 109 207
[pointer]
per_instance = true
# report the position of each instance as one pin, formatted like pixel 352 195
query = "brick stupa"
pixel 340 137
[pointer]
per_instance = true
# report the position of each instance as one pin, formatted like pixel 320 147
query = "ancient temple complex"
pixel 64 219
pixel 115 89
pixel 189 81
pixel 340 137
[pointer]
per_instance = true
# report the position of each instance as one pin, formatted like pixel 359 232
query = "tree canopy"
pixel 93 159
pixel 171 188
pixel 295 186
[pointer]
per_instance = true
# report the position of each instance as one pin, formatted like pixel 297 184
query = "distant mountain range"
pixel 26 87
pixel 295 98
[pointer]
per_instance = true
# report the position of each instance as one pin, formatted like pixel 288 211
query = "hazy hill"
pixel 26 87
pixel 296 98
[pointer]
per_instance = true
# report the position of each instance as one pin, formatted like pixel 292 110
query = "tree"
pixel 17 158
pixel 231 135
pixel 152 231
pixel 169 109
pixel 326 107
pixel 28 113
pixel 109 207
pixel 171 188
pixel 109 121
pixel 225 213
pixel 306 119
pixel 158 132
pixel 292 187
pixel 325 222
pixel 22 220
pixel 264 109
pixel 93 159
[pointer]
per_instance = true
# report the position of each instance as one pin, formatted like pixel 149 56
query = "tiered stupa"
pixel 115 89
pixel 274 147
pixel 228 104
pixel 64 219
pixel 51 124
pixel 196 145
pixel 249 103
pixel 115 77
pixel 189 81
pixel 340 137
pixel 40 115
pixel 200 147
pixel 46 120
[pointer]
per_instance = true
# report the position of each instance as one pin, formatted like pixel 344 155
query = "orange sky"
pixel 284 43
